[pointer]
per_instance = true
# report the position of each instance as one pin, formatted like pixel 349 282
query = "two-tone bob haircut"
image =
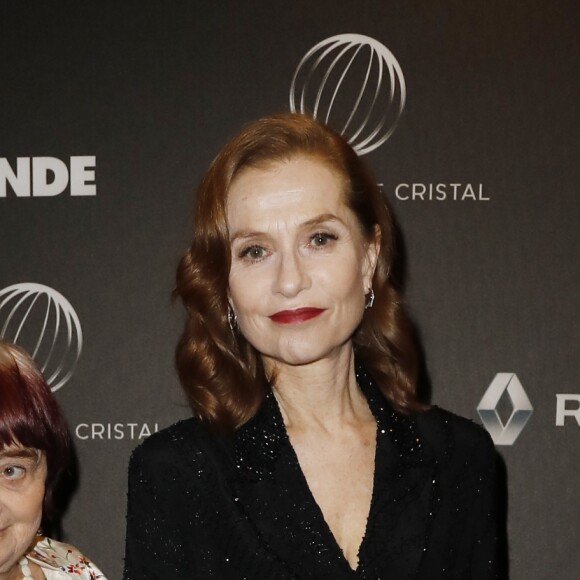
pixel 30 418
pixel 222 374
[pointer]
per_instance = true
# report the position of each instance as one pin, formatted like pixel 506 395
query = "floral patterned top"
pixel 62 562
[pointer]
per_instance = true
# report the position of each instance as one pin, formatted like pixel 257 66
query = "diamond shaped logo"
pixel 521 409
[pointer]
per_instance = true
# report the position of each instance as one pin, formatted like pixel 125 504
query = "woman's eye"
pixel 253 252
pixel 13 472
pixel 322 239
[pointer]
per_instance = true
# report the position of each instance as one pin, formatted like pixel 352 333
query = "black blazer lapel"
pixel 405 492
pixel 274 496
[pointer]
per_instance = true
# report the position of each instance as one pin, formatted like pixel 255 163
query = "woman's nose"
pixel 292 276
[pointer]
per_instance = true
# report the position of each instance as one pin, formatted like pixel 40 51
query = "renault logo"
pixel 521 409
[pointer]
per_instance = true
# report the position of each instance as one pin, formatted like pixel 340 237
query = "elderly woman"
pixel 309 455
pixel 35 448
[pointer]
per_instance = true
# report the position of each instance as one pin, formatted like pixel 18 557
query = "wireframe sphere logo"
pixel 43 322
pixel 354 84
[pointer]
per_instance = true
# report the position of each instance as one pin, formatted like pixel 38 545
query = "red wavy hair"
pixel 223 375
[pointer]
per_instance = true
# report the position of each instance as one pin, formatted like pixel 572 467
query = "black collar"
pixel 274 496
pixel 259 442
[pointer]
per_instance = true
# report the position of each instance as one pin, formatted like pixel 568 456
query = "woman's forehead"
pixel 281 184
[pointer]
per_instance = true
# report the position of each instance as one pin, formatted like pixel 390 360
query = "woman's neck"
pixel 15 573
pixel 322 395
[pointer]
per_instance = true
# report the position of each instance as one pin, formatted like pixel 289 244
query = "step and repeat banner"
pixel 466 111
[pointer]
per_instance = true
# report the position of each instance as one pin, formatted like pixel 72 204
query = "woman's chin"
pixel 304 356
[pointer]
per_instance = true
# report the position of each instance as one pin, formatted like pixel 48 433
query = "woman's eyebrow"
pixel 324 217
pixel 319 219
pixel 245 234
pixel 20 453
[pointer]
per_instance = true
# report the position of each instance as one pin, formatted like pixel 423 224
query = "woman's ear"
pixel 371 257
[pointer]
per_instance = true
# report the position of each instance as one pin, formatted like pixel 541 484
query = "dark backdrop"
pixel 148 91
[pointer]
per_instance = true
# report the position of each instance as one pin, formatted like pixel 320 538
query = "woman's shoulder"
pixel 454 437
pixel 60 560
pixel 184 432
pixel 188 439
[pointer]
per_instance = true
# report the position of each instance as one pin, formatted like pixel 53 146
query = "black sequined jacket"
pixel 207 506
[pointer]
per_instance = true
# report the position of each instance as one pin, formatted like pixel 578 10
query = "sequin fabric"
pixel 202 505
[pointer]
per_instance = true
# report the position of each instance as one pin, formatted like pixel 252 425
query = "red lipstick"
pixel 294 316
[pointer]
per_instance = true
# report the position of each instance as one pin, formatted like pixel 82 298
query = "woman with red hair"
pixel 309 454
pixel 35 450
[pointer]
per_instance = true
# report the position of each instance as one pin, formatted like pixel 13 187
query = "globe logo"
pixel 43 322
pixel 354 84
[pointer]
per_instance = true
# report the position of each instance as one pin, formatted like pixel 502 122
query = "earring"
pixel 370 299
pixel 232 319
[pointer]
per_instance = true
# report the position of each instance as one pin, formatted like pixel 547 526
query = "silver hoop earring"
pixel 232 320
pixel 370 299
